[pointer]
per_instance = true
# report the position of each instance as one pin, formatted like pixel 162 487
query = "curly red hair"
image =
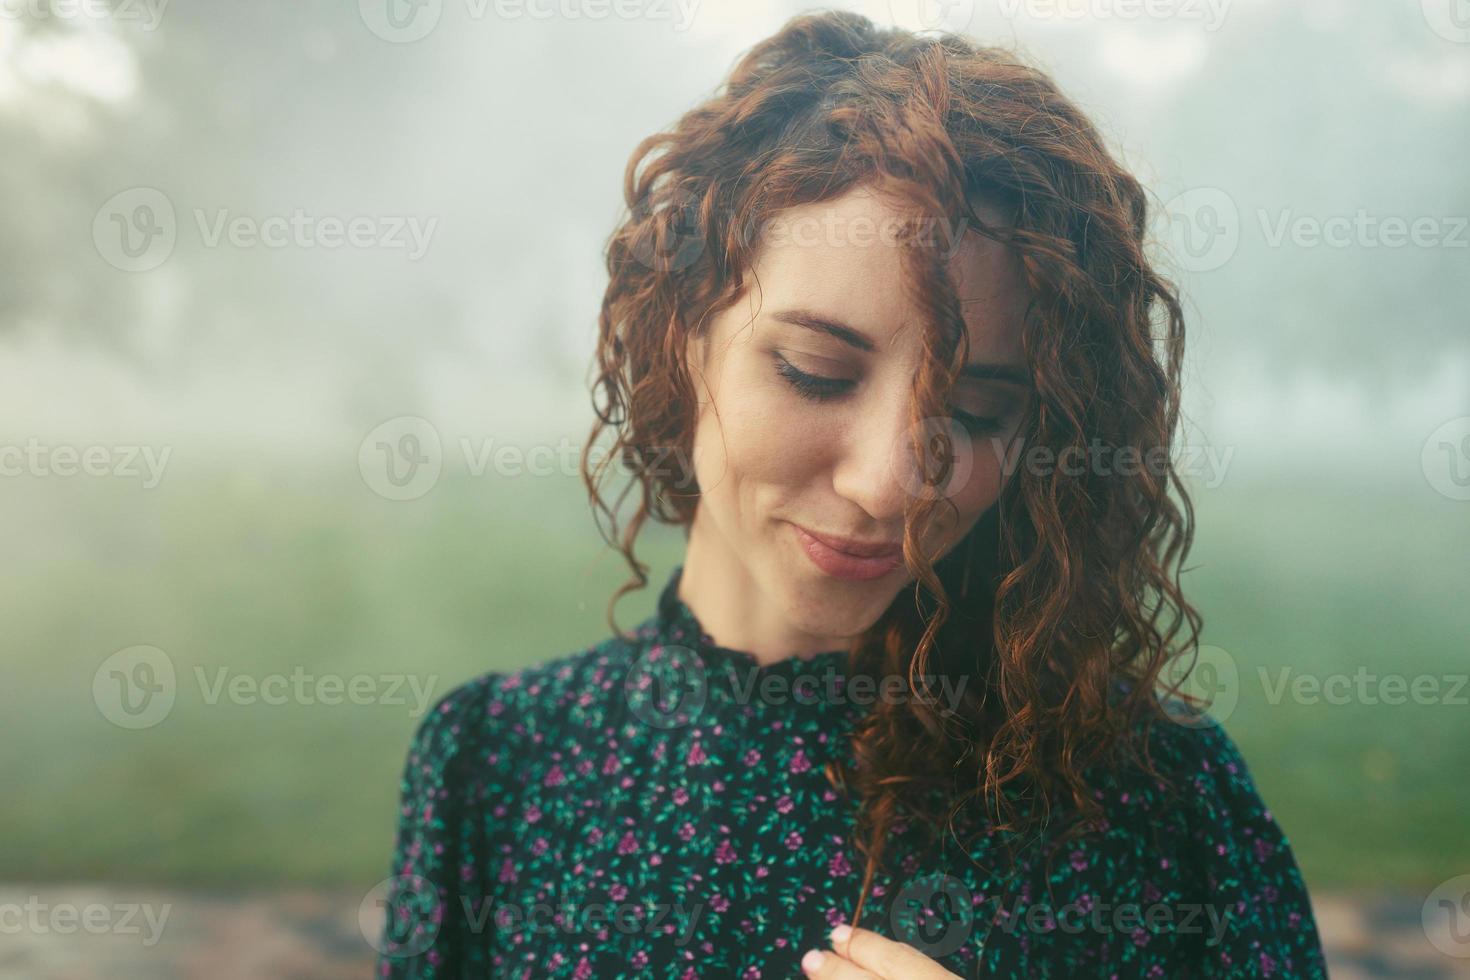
pixel 1069 598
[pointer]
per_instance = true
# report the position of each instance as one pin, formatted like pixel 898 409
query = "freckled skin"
pixel 765 456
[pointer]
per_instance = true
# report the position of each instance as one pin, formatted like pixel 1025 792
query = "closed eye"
pixel 813 386
pixel 816 387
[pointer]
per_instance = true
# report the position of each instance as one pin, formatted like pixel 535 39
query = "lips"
pixel 830 555
pixel 855 548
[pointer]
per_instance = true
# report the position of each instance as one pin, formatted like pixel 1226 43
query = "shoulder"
pixel 1201 763
pixel 1185 782
pixel 1229 853
pixel 1187 811
pixel 498 714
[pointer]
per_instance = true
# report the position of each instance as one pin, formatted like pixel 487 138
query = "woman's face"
pixel 805 389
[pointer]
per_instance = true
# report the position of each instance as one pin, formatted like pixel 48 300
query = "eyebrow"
pixel 980 371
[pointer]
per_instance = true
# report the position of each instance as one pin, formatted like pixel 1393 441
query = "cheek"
pixel 761 435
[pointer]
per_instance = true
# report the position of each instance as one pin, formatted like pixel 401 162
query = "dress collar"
pixel 676 623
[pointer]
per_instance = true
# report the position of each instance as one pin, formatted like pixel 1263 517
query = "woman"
pixel 881 336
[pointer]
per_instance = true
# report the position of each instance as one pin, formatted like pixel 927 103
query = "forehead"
pixel 840 258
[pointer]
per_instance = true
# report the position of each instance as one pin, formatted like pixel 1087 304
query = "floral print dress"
pixel 658 808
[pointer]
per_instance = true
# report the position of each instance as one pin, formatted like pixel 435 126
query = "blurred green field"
pixel 305 567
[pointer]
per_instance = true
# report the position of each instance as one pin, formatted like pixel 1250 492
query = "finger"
pixel 825 964
pixel 884 957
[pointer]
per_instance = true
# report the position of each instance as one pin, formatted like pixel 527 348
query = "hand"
pixel 859 954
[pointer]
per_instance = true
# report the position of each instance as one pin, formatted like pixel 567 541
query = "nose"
pixel 875 466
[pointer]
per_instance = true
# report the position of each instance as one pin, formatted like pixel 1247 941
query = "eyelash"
pixel 817 388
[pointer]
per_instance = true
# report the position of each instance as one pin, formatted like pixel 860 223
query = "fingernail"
pixel 812 961
pixel 840 934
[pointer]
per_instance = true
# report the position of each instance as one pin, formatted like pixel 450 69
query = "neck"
pixel 731 606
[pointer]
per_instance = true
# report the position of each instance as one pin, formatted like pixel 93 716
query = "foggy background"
pixel 211 395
